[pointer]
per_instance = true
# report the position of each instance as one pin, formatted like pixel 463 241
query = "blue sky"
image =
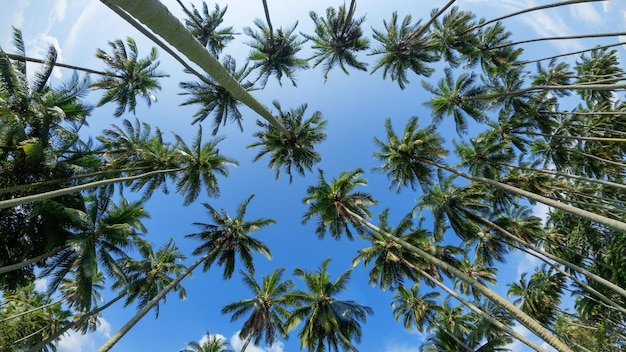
pixel 355 107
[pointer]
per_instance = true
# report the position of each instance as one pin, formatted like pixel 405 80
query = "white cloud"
pixel 41 285
pixel 236 342
pixel 586 12
pixel 77 342
pixel 38 47
pixel 526 264
pixel 393 347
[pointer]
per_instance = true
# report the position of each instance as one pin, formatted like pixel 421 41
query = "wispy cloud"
pixel 587 13
pixel 41 285
pixel 77 342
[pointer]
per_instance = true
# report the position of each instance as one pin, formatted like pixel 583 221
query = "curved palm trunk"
pixel 424 28
pixel 157 17
pixel 478 311
pixel 606 283
pixel 268 19
pixel 29 311
pixel 8 268
pixel 582 36
pixel 69 190
pixel 74 324
pixel 245 344
pixel 599 158
pixel 530 323
pixel 546 88
pixel 144 310
pixel 578 138
pixel 612 223
pixel 58 64
pixel 531 9
pixel 522 63
pixel 346 341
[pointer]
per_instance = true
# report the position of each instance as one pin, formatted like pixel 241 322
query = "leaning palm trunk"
pixel 473 307
pixel 524 319
pixel 531 9
pixel 346 341
pixel 426 25
pixel 16 266
pixel 573 267
pixel 58 64
pixel 522 63
pixel 29 311
pixel 57 334
pixel 69 190
pixel 144 310
pixel 546 88
pixel 581 36
pixel 157 17
pixel 612 223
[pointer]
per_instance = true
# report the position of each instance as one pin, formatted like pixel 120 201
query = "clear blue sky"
pixel 355 107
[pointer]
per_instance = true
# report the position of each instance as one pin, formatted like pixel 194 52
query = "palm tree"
pixel 329 323
pixel 337 39
pixel 268 308
pixel 540 295
pixel 414 309
pixel 293 149
pixel 227 236
pixel 212 343
pixel 204 25
pixel 220 242
pixel 275 53
pixel 139 76
pixel 215 99
pixel 403 50
pixel 335 202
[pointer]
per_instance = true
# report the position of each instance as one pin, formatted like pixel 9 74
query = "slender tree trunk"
pixel 8 268
pixel 427 25
pixel 157 17
pixel 144 310
pixel 245 344
pixel 58 64
pixel 269 20
pixel 74 324
pixel 480 312
pixel 69 190
pixel 582 36
pixel 29 311
pixel 612 223
pixel 530 9
pixel 578 138
pixel 546 88
pixel 522 63
pixel 524 319
pixel 346 341
pixel 599 158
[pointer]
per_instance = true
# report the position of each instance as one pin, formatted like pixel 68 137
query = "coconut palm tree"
pixel 403 50
pixel 329 323
pixel 139 76
pixel 212 343
pixel 204 25
pixel 216 100
pixel 268 308
pixel 295 148
pixel 227 237
pixel 414 309
pixel 539 295
pixel 337 39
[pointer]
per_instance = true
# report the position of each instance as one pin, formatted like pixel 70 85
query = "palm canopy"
pixel 128 76
pixel 210 343
pixel 226 237
pixel 401 156
pixel 414 309
pixel 268 308
pixel 216 100
pixel 328 322
pixel 401 50
pixel 336 204
pixel 275 53
pixel 294 149
pixel 204 25
pixel 337 38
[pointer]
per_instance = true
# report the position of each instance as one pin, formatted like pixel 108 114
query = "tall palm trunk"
pixel 524 319
pixel 144 310
pixel 477 310
pixel 578 36
pixel 157 17
pixel 269 20
pixel 58 64
pixel 74 324
pixel 427 25
pixel 522 63
pixel 531 9
pixel 44 256
pixel 69 190
pixel 546 88
pixel 612 223
pixel 29 311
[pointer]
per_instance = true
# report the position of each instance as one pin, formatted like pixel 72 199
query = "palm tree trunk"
pixel 530 9
pixel 578 138
pixel 8 268
pixel 522 63
pixel 157 17
pixel 606 283
pixel 58 64
pixel 426 26
pixel 579 36
pixel 144 310
pixel 74 324
pixel 245 344
pixel 346 341
pixel 29 311
pixel 612 223
pixel 548 88
pixel 477 310
pixel 69 190
pixel 530 323
pixel 268 19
